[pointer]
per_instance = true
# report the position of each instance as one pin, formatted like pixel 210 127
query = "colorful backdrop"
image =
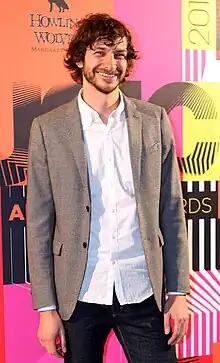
pixel 179 68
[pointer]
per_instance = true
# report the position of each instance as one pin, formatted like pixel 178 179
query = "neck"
pixel 102 103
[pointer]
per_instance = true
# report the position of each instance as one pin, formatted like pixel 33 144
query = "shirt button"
pixel 85 244
pixel 113 262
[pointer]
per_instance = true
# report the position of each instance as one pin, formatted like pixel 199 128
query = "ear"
pixel 79 64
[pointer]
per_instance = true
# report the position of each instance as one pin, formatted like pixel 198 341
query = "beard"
pixel 103 86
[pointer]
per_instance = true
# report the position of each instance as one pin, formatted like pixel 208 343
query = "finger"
pixel 180 335
pixel 167 323
pixel 63 341
pixel 186 325
pixel 50 347
pixel 56 354
pixel 183 331
pixel 176 332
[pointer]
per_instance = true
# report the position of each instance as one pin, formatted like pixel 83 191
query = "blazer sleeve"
pixel 172 218
pixel 40 216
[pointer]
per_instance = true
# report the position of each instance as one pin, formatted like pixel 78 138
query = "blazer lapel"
pixel 135 124
pixel 74 133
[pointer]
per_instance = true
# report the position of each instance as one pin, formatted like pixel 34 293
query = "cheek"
pixel 123 66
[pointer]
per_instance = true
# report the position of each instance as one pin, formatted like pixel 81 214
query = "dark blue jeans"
pixel 138 327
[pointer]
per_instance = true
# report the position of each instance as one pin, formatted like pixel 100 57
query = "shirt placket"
pixel 111 207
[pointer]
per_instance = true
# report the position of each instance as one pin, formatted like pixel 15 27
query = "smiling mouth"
pixel 108 75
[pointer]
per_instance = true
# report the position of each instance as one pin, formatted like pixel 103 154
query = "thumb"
pixel 63 341
pixel 167 323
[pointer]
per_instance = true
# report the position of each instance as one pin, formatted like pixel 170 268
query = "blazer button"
pixel 87 208
pixel 84 244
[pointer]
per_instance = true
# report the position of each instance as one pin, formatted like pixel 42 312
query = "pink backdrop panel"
pixel 21 324
pixel 157 37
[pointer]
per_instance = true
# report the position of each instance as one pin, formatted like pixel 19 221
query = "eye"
pixel 99 53
pixel 120 56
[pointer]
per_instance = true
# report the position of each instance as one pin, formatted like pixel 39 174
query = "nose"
pixel 109 61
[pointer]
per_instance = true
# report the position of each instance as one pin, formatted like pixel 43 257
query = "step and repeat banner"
pixel 179 69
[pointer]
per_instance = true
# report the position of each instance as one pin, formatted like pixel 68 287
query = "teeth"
pixel 107 75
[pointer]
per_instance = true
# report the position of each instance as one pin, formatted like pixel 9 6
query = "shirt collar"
pixel 89 115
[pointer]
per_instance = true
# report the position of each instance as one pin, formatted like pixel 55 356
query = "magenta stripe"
pixel 214 277
pixel 187 60
pixel 207 281
pixel 195 66
pixel 218 326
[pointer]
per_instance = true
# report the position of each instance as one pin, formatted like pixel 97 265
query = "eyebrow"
pixel 106 48
pixel 121 50
pixel 100 47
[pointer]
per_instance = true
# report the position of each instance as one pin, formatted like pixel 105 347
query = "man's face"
pixel 105 65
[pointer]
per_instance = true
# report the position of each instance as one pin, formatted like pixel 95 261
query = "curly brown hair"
pixel 90 29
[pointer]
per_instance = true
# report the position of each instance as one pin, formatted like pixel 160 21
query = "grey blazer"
pixel 58 204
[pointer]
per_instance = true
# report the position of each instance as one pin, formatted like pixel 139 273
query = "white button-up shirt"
pixel 115 253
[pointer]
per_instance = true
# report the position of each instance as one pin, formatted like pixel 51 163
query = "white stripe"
pixel 183 65
pixel 215 327
pixel 11 255
pixel 213 242
pixel 201 244
pixel 190 241
pixel 177 348
pixel 25 256
pixel 213 186
pixel 201 331
pixel 201 186
pixel 199 313
pixel 184 347
pixel 189 186
pixel 191 65
pixel 192 335
pixel 23 190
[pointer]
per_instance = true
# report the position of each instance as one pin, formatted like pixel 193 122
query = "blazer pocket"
pixel 161 239
pixel 57 247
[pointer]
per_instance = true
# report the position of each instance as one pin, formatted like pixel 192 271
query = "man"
pixel 106 228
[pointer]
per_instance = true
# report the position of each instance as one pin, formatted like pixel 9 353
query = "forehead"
pixel 120 43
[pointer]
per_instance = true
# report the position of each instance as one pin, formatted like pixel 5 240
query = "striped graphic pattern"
pixel 203 233
pixel 201 159
pixel 193 65
pixel 203 237
pixel 204 308
pixel 15 263
pixel 13 171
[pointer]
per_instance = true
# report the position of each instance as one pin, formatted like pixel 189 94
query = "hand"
pixel 177 310
pixel 51 328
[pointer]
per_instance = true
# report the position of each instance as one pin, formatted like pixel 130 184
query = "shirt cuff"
pixel 176 293
pixel 47 308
